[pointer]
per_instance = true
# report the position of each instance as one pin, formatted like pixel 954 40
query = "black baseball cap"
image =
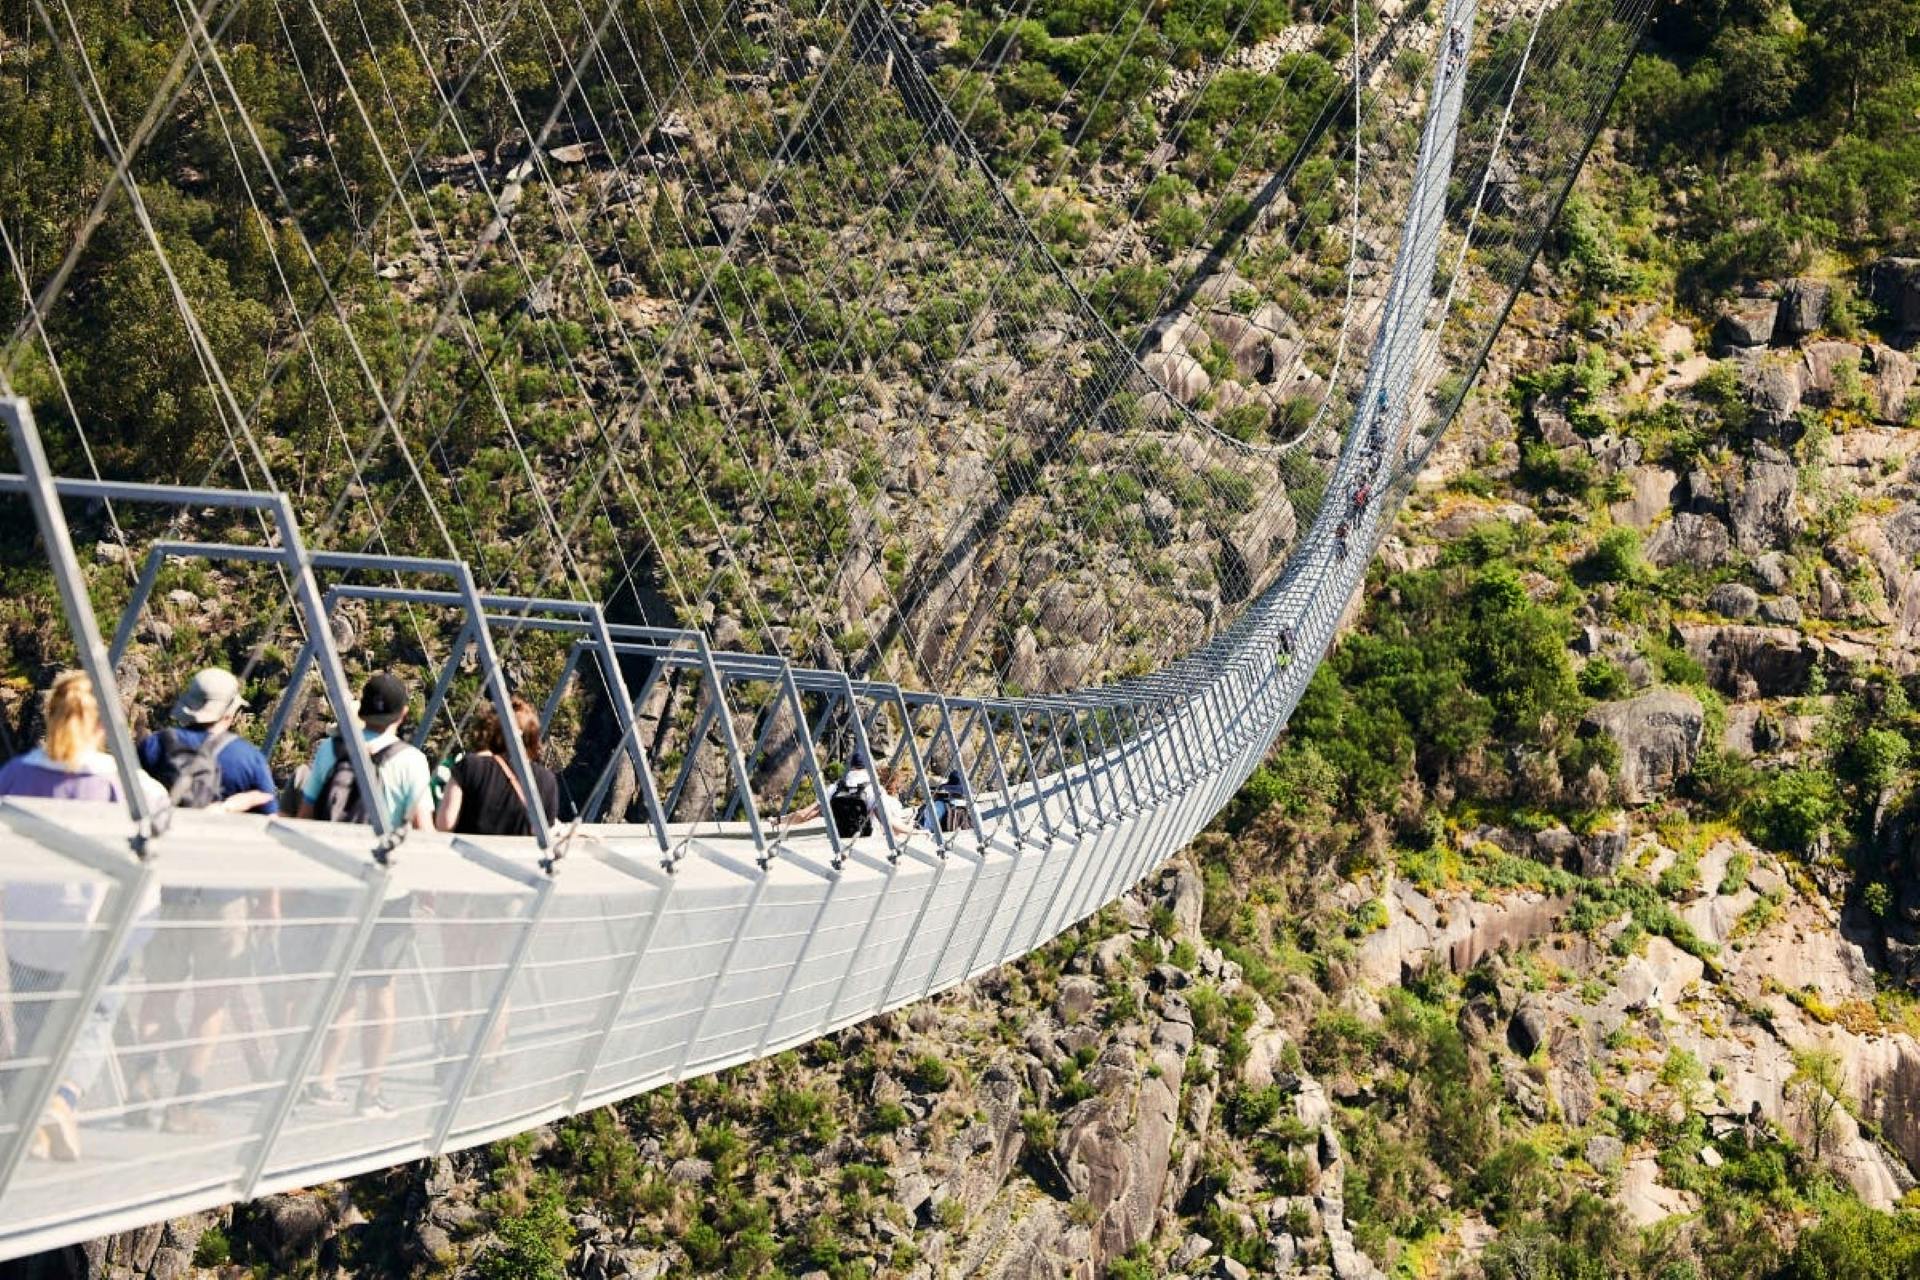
pixel 383 700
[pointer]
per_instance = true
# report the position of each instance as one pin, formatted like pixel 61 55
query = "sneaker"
pixel 183 1117
pixel 322 1095
pixel 372 1104
pixel 60 1129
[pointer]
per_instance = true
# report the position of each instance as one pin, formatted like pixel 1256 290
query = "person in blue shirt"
pixel 203 942
pixel 206 709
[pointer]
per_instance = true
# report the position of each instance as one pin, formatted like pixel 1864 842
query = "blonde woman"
pixel 69 764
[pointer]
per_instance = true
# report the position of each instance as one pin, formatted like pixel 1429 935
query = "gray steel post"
pixel 72 582
pixel 604 783
pixel 551 707
pixel 333 674
pixel 910 741
pixel 496 680
pixel 702 725
pixel 720 974
pixel 960 769
pixel 289 700
pixel 444 684
pixel 135 606
pixel 1066 777
pixel 730 739
pixel 865 747
pixel 626 710
pixel 1032 764
pixel 812 760
pixel 629 974
pixel 813 732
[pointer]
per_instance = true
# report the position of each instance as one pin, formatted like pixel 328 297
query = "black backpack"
pixel 191 774
pixel 342 800
pixel 956 816
pixel 852 812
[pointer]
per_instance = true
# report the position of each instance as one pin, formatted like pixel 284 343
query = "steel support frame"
pixel 543 888
pixel 467 598
pixel 344 963
pixel 291 554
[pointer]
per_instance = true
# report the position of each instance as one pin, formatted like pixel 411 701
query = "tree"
pixel 1861 42
pixel 1517 655
pixel 1873 759
pixel 1815 1087
pixel 1616 557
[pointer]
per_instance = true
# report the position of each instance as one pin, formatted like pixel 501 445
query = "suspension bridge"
pixel 679 919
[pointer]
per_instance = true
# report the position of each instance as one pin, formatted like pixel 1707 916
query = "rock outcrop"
pixel 1659 735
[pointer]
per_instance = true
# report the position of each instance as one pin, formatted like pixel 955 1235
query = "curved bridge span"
pixel 488 986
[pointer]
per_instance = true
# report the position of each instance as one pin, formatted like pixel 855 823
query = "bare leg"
pixel 376 1036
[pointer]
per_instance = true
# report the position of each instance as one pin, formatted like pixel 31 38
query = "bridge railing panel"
pixel 840 933
pixel 998 915
pixel 708 903
pixel 975 913
pixel 206 995
pixel 926 943
pixel 896 914
pixel 562 996
pixel 770 945
pixel 412 1013
pixel 56 917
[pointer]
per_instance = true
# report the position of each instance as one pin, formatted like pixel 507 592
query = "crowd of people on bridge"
pixel 204 960
pixel 193 950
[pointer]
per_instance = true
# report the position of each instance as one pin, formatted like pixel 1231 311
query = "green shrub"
pixel 1854 1242
pixel 212 1249
pixel 1616 557
pixel 532 1245
pixel 1793 809
pixel 931 1073
pixel 1602 679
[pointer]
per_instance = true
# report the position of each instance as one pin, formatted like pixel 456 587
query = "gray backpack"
pixel 191 774
pixel 343 799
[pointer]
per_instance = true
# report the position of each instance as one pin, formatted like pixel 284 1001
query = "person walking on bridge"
pixel 483 796
pixel 69 764
pixel 202 942
pixel 403 781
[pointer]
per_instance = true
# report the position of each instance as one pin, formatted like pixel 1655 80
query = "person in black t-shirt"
pixel 483 796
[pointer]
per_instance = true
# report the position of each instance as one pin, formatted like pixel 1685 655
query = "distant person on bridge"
pixel 1456 49
pixel 69 764
pixel 856 798
pixel 202 941
pixel 200 760
pixel 948 811
pixel 404 780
